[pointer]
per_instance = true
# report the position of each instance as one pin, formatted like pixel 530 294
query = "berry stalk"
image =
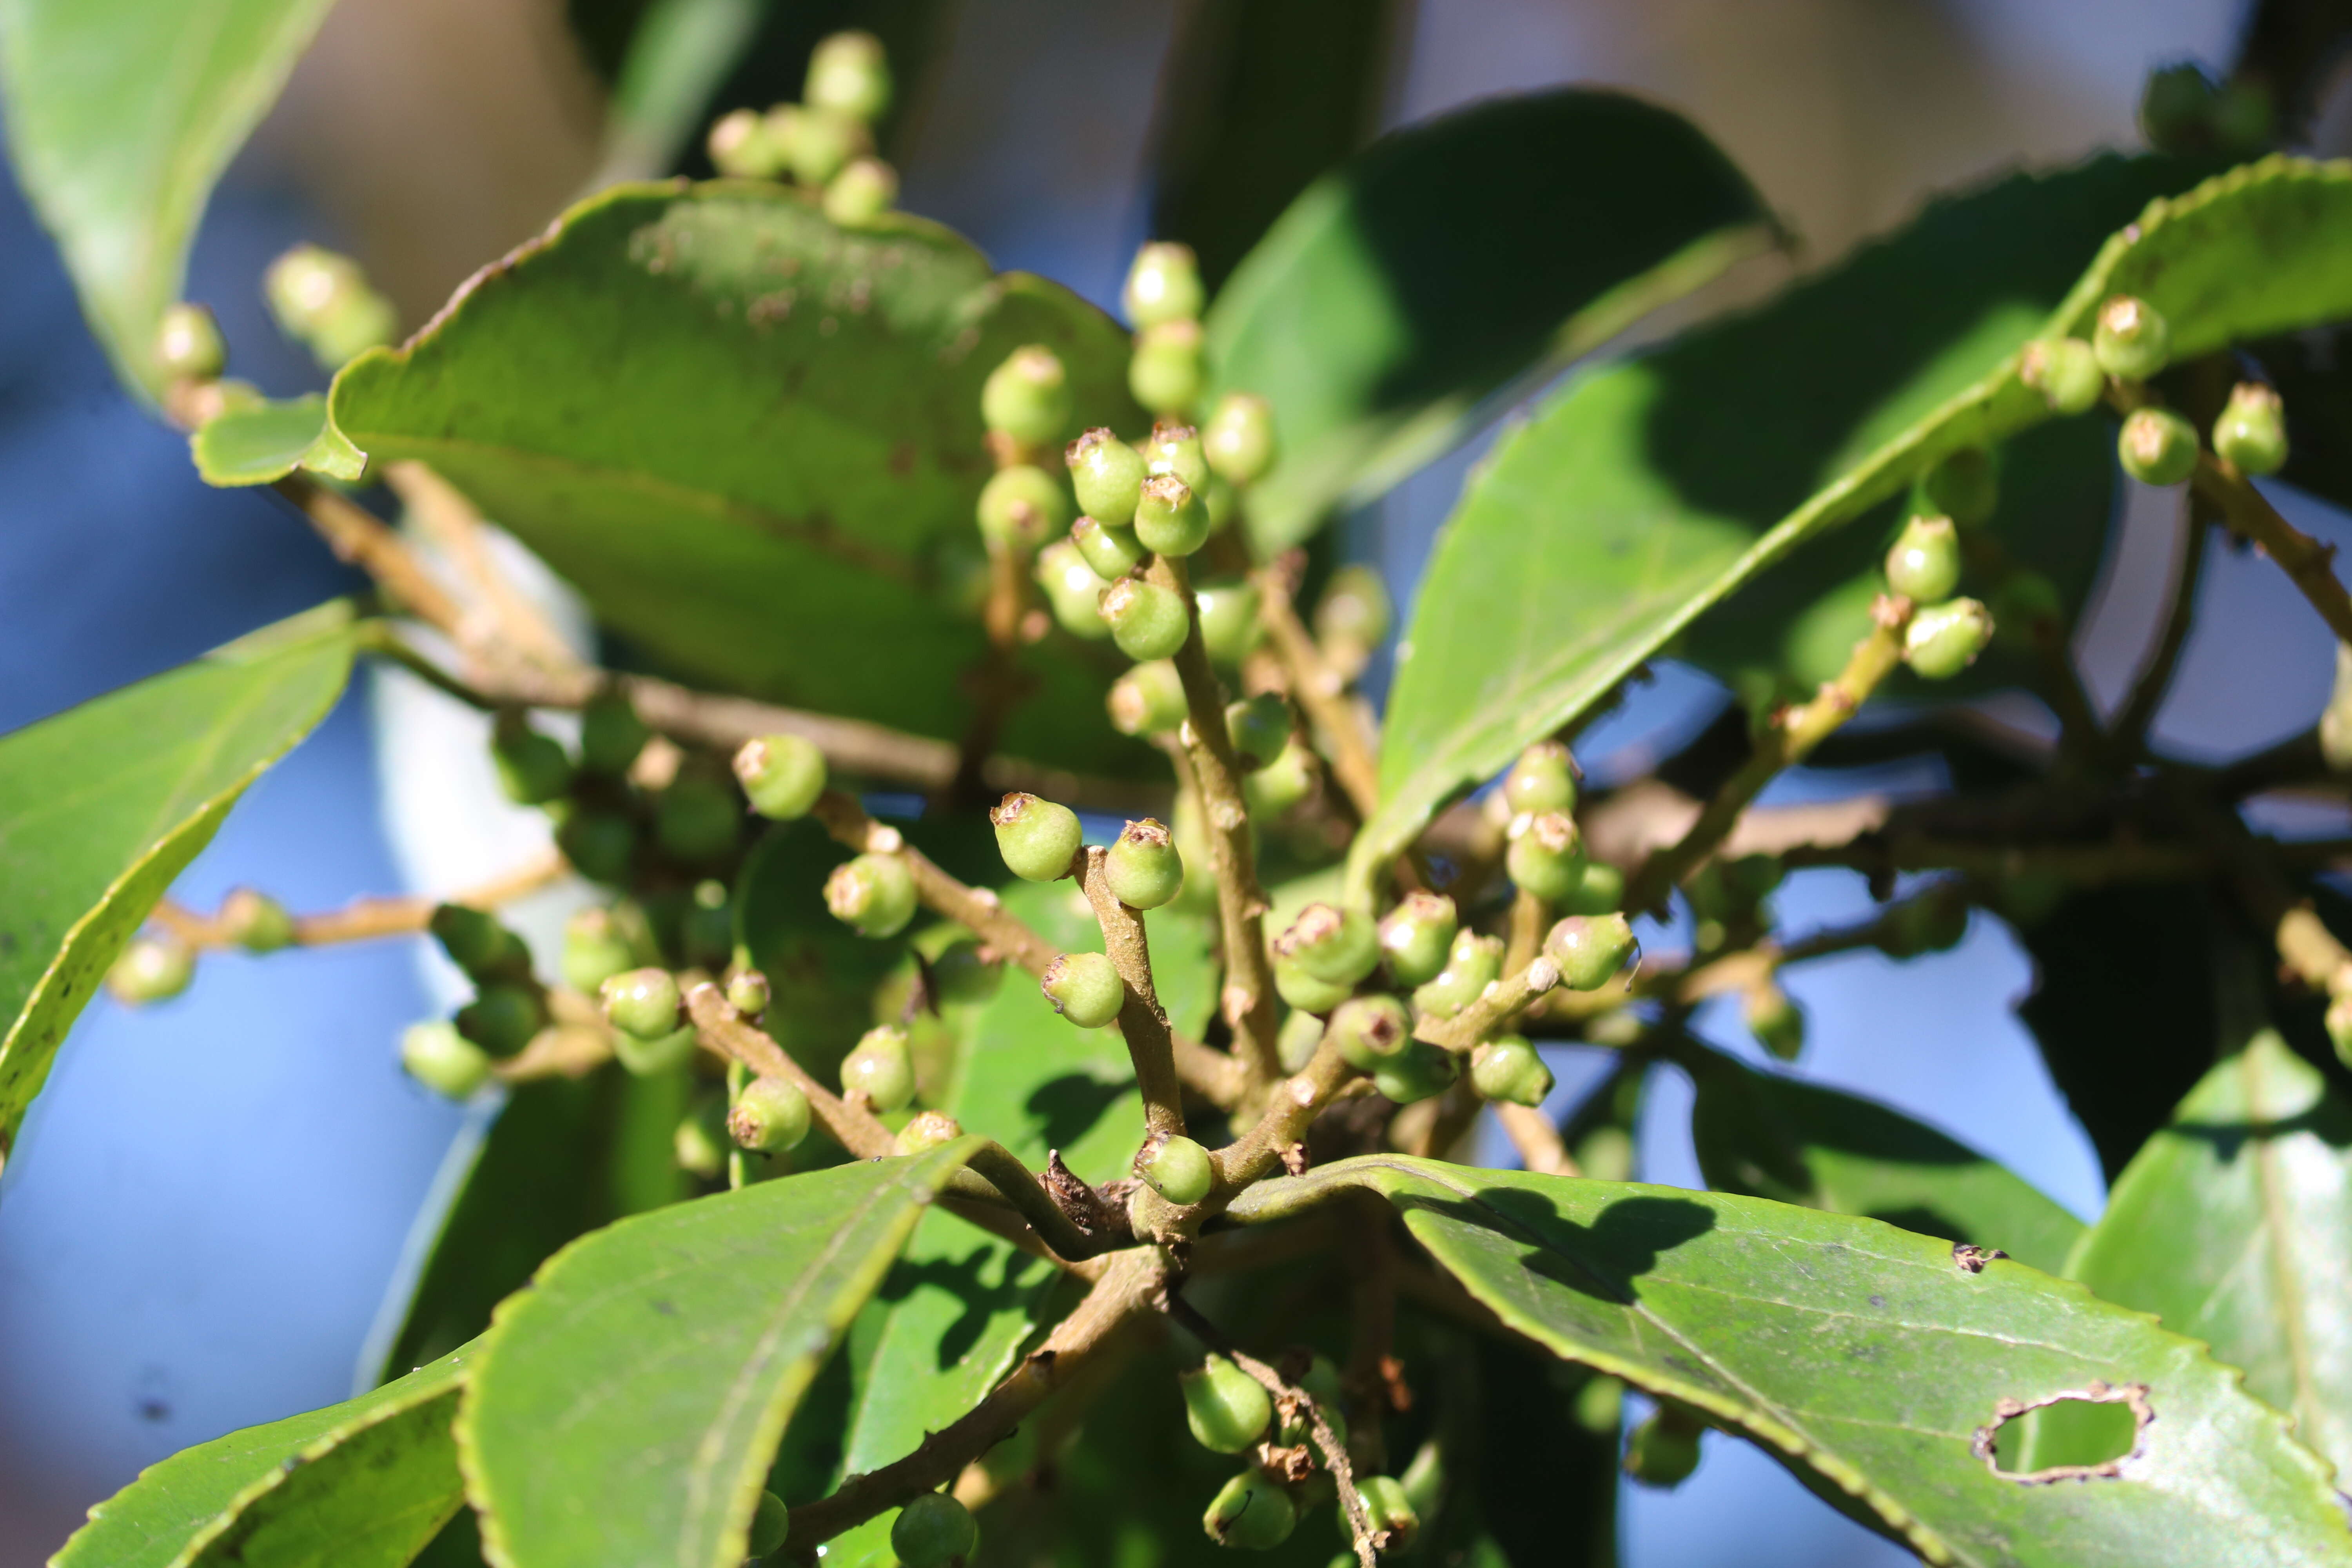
pixel 1322 693
pixel 2308 562
pixel 1143 1021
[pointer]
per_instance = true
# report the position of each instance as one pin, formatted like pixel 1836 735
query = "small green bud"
pixel 1590 949
pixel 1508 1068
pixel 1148 699
pixel 2131 340
pixel 1927 924
pixel 1227 1409
pixel 1162 285
pixel 477 943
pixel 600 845
pixel 741 147
pixel 502 1018
pixel 1333 944
pixel 1085 988
pixel 1259 728
pixel 1543 779
pixel 443 1060
pixel 1775 1020
pixel 1418 1071
pixel 2250 434
pixel 1021 506
pixel 1664 1451
pixel 1547 856
pixel 781 774
pixel 1251 1513
pixel 772 1524
pixel 1143 868
pixel 1416 935
pixel 1352 618
pixel 1925 564
pixel 1165 373
pixel 1074 590
pixel 822 142
pixel 1306 991
pixel 1238 439
pixel 706 928
pixel 155 967
pixel 1230 628
pixel 961 977
pixel 1179 1171
pixel 698 819
pixel 652 1057
pixel 1174 448
pixel 1038 838
pixel 1169 519
pixel 2175 107
pixel 325 300
pixel 641 1001
pixel 1223 501
pixel 849 73
pixel 881 1068
pixel 1601 889
pixel 1600 1406
pixel 611 734
pixel 864 190
pixel 1107 475
pixel 927 1130
pixel 1110 550
pixel 934 1530
pixel 1283 783
pixel 1944 639
pixel 1147 621
pixel 1965 486
pixel 1472 963
pixel 532 768
pixel 188 345
pixel 2065 371
pixel 2339 1025
pixel 256 922
pixel 874 895
pixel 2157 447
pixel 595 948
pixel 748 992
pixel 1027 398
pixel 1395 1522
pixel 1296 1046
pixel 1369 1031
pixel 695 1144
pixel 2335 720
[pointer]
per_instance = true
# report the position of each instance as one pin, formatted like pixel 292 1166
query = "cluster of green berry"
pixel 321 298
pixel 824 143
pixel 159 964
pixel 1230 1412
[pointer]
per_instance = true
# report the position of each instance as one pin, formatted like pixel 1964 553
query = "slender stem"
pixel 2148 691
pixel 451 521
pixel 2308 562
pixel 1502 1002
pixel 1540 1146
pixel 1530 918
pixel 364 918
pixel 356 535
pixel 1141 1020
pixel 996 684
pixel 1374 1378
pixel 1322 693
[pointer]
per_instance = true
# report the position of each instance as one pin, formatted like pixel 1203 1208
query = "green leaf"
pixel 677 54
pixel 122 113
pixel 2234 1225
pixel 1448 262
pixel 363 1483
pixel 626 1407
pixel 753 440
pixel 102 805
pixel 1865 1359
pixel 261 443
pixel 1648 492
pixel 1770 1136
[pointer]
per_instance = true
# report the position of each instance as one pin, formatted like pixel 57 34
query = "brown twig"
pixel 356 535
pixel 1541 1149
pixel 1502 1002
pixel 1141 1020
pixel 1321 691
pixel 449 520
pixel 365 919
pixel 2308 562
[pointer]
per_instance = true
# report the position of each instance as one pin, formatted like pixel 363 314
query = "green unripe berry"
pixel 864 190
pixel 1107 475
pixel 256 922
pixel 741 147
pixel 1143 866
pixel 1506 1067
pixel 155 967
pixel 595 948
pixel 1472 963
pixel 1773 1018
pixel 2339 1025
pixel 1590 949
pixel 1238 439
pixel 1110 550
pixel 641 1001
pixel 1601 889
pixel 2131 340
pixel 1021 506
pixel 1352 618
pixel 1163 284
pixel 782 775
pixel 1147 621
pixel 1369 1031
pixel 1965 486
pixel 1933 923
pixel 1283 783
pixel 1251 1513
pixel 1230 628
pixel 1320 1383
pixel 748 992
pixel 532 768
pixel 443 1060
pixel 1179 1171
pixel 600 845
pixel 1416 935
pixel 1169 516
pixel 874 895
pixel 1085 988
pixel 1418 1071
pixel 325 300
pixel 1547 857
pixel 2335 720
pixel 1340 946
pixel 1301 1034
pixel 821 143
pixel 1165 374
pixel 188 345
pixel 849 73
pixel 2065 371
pixel 960 977
pixel 928 1130
pixel 1664 1451
pixel 2175 107
pixel 696 1145
pixel 653 1057
pixel 2027 608
pixel 706 928
pixel 2250 434
pixel 698 819
pixel 1074 590
pixel 1944 639
pixel 1259 728
pixel 611 734
pixel 1306 991
pixel 1227 1409
pixel 1148 699
pixel 1175 449
pixel 881 1068
pixel 1924 566
pixel 1542 780
pixel 2157 447
pixel 1038 838
pixel 502 1018
pixel 477 943
pixel 772 1524
pixel 1395 1522
pixel 1027 398
pixel 934 1530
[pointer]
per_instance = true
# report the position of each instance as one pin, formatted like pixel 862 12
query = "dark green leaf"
pixel 102 805
pixel 625 1408
pixel 1770 1136
pixel 1452 259
pixel 122 113
pixel 1867 1358
pixel 754 441
pixel 267 441
pixel 363 1483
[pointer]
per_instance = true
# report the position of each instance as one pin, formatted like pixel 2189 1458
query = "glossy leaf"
pixel 363 1483
pixel 263 442
pixel 753 440
pixel 1648 492
pixel 1768 1135
pixel 626 1406
pixel 122 113
pixel 102 805
pixel 1865 1359
pixel 1453 259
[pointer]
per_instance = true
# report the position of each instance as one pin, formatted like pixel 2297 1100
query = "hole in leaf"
pixel 2080 1435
